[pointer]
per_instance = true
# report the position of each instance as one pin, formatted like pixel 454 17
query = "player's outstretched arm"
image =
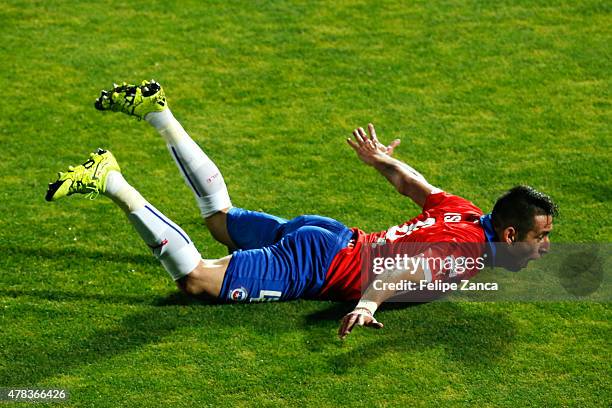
pixel 380 289
pixel 405 179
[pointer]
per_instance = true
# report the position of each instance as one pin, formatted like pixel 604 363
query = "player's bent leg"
pixel 100 174
pixel 148 101
pixel 199 172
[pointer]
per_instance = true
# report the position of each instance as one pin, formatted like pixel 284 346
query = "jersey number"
pixel 267 296
pixel 397 232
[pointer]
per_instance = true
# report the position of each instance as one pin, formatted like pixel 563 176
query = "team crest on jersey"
pixel 239 294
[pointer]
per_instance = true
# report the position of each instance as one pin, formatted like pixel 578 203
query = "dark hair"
pixel 518 206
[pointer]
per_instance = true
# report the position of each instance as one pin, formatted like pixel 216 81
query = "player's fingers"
pixel 372 132
pixel 347 325
pixel 358 136
pixel 344 331
pixel 343 326
pixel 375 324
pixel 363 134
pixel 392 146
pixel 352 143
pixel 360 320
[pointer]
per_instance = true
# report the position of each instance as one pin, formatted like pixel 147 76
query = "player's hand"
pixel 358 317
pixel 369 149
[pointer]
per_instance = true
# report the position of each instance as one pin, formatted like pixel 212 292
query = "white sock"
pixel 126 196
pixel 199 172
pixel 169 243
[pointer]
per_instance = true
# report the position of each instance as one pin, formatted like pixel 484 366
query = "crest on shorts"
pixel 239 294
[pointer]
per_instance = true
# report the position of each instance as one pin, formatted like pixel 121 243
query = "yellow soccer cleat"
pixel 88 178
pixel 133 100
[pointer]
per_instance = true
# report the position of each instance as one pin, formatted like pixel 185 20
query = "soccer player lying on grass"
pixel 310 256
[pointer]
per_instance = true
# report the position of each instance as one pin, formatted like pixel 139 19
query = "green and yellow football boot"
pixel 133 100
pixel 89 178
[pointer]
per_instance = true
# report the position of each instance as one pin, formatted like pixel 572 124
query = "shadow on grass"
pixel 174 299
pixel 44 358
pixel 71 296
pixel 29 361
pixel 65 337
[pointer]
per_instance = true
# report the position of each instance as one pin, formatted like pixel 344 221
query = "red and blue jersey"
pixel 446 220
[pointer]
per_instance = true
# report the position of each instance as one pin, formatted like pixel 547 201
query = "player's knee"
pixel 192 286
pixel 205 281
pixel 189 286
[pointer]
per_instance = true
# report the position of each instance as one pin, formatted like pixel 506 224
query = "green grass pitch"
pixel 483 94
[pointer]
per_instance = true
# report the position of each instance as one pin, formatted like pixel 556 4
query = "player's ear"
pixel 509 235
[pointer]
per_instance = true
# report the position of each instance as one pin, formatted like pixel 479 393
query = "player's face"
pixel 533 246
